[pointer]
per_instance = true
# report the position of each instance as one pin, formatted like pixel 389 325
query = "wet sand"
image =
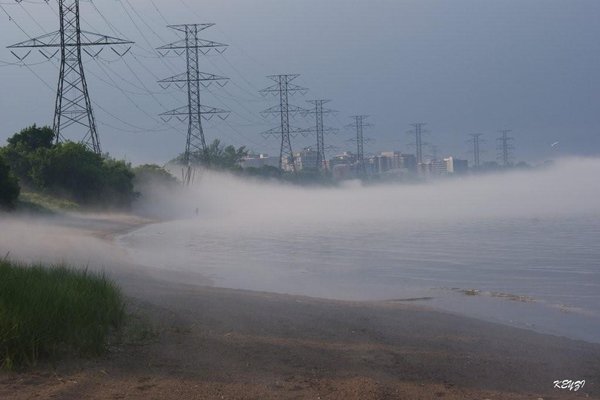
pixel 212 343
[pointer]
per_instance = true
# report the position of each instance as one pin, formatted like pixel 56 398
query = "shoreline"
pixel 237 344
pixel 538 314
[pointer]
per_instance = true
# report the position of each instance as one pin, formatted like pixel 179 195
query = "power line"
pixel 284 88
pixel 236 99
pixel 73 105
pixel 360 124
pixel 114 84
pixel 159 12
pixel 476 141
pixel 319 112
pixel 418 132
pixel 195 111
pixel 11 19
pixel 137 129
pixel 505 147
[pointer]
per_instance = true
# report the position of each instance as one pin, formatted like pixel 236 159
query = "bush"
pixel 9 187
pixel 72 170
pixel 44 311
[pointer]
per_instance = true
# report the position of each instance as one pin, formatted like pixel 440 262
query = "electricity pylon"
pixel 418 132
pixel 505 147
pixel 73 106
pixel 476 141
pixel 283 88
pixel 320 131
pixel 191 45
pixel 360 124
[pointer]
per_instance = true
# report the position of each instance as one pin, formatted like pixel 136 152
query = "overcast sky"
pixel 461 66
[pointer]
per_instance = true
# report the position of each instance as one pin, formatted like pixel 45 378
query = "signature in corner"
pixel 569 384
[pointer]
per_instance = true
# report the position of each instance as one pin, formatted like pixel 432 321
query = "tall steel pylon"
pixel 318 111
pixel 73 106
pixel 476 141
pixel 418 132
pixel 283 88
pixel 505 147
pixel 192 46
pixel 360 124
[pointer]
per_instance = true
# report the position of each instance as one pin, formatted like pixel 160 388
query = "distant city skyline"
pixel 464 67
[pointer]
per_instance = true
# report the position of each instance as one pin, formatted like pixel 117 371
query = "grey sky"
pixel 462 66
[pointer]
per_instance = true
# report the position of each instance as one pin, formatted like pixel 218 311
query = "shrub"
pixel 44 311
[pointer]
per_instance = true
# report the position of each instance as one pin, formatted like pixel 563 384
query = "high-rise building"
pixel 306 159
pixel 456 166
pixel 433 168
pixel 398 160
pixel 343 159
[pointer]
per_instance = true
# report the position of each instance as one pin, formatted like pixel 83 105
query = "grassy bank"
pixel 47 311
pixel 44 204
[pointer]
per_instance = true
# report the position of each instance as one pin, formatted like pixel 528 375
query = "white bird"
pixel 554 144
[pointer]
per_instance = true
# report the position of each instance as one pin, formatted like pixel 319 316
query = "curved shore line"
pixel 223 343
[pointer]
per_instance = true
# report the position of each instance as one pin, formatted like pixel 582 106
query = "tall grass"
pixel 47 311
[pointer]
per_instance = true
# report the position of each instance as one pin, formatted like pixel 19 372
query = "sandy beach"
pixel 212 343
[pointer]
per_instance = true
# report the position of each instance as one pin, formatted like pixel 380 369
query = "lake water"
pixel 541 273
pixel 520 248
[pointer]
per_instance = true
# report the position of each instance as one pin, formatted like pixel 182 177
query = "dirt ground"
pixel 209 343
pixel 200 342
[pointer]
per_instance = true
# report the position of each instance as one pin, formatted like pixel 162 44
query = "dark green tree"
pixel 152 174
pixel 33 138
pixel 117 183
pixel 9 187
pixel 24 148
pixel 218 156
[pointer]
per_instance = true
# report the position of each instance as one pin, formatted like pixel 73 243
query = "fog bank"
pixel 569 187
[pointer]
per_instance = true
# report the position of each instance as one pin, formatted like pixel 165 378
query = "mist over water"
pixel 525 241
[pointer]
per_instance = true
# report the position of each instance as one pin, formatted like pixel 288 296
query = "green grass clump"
pixel 45 204
pixel 47 311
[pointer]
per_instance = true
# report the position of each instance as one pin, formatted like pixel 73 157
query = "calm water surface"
pixel 541 273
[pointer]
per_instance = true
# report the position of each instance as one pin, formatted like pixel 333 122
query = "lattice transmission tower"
pixel 320 130
pixel 73 106
pixel 418 132
pixel 192 46
pixel 505 147
pixel 359 125
pixel 283 88
pixel 476 142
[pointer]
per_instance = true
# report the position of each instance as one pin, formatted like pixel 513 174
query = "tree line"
pixel 32 160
